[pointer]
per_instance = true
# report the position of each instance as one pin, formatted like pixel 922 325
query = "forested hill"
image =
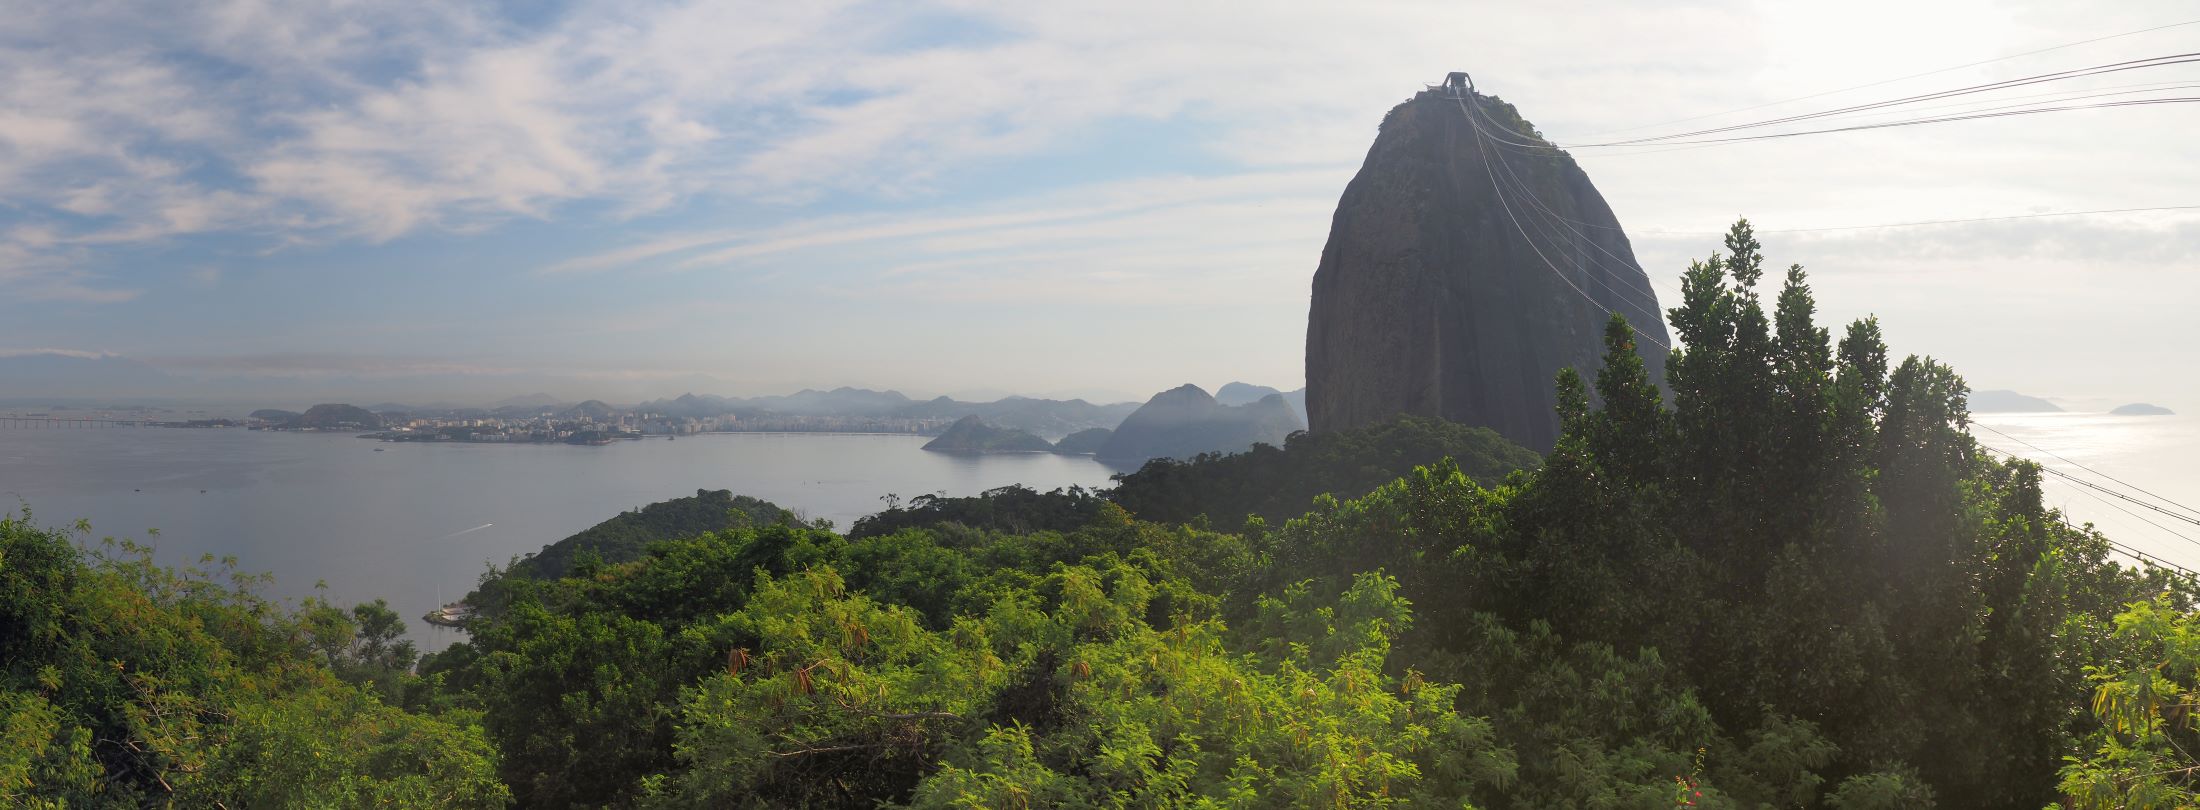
pixel 1798 582
pixel 1186 421
pixel 623 538
pixel 973 436
pixel 1276 484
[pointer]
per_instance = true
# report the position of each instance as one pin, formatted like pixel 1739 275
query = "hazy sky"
pixel 1032 197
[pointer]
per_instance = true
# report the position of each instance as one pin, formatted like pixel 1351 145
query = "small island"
pixel 274 416
pixel 337 416
pixel 2003 401
pixel 2142 409
pixel 971 435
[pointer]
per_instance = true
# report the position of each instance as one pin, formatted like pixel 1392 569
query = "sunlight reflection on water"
pixel 2151 453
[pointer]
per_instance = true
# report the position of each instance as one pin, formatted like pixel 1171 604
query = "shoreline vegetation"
pixel 1790 577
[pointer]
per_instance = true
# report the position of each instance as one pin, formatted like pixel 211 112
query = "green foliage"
pixel 1014 508
pixel 2141 756
pixel 829 699
pixel 1804 567
pixel 1895 790
pixel 847 703
pixel 123 683
pixel 624 537
pixel 339 748
pixel 1796 582
pixel 362 646
pixel 1280 483
pixel 44 760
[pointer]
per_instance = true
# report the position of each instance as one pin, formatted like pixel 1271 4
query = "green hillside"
pixel 1797 582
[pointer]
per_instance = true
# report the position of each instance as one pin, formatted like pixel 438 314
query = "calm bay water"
pixel 417 523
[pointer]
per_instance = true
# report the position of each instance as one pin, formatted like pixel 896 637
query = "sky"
pixel 631 199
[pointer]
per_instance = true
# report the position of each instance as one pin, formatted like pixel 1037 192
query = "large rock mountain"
pixel 1467 263
pixel 1186 421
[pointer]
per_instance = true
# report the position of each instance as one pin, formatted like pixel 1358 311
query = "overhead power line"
pixel 2150 102
pixel 2113 543
pixel 2031 99
pixel 1934 221
pixel 1984 219
pixel 1880 115
pixel 2143 556
pixel 1546 150
pixel 2110 504
pixel 1499 189
pixel 2051 454
pixel 1623 269
pixel 2118 495
pixel 1884 82
pixel 2061 75
pixel 2141 518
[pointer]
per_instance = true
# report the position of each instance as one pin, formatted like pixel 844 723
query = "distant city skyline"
pixel 624 202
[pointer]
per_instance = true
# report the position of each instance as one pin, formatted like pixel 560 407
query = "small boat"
pixel 454 614
pixel 378 449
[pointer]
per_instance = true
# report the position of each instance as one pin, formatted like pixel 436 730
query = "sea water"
pixel 417 524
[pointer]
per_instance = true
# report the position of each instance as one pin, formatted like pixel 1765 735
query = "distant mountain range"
pixel 47 378
pixel 1238 393
pixel 1042 417
pixel 1999 401
pixel 970 435
pixel 1186 421
pixel 103 380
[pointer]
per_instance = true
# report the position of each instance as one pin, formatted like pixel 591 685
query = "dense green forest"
pixel 1013 509
pixel 625 537
pixel 1798 583
pixel 1277 484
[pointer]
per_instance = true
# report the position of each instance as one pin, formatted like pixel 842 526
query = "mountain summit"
pixel 1468 261
pixel 1186 421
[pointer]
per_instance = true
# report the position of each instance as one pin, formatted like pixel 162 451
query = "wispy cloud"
pixel 725 154
pixel 315 364
pixel 77 353
pixel 1217 211
pixel 324 121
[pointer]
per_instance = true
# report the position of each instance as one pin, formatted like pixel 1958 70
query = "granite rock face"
pixel 1467 263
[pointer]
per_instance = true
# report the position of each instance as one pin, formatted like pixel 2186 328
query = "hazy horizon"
pixel 467 201
pixel 473 390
